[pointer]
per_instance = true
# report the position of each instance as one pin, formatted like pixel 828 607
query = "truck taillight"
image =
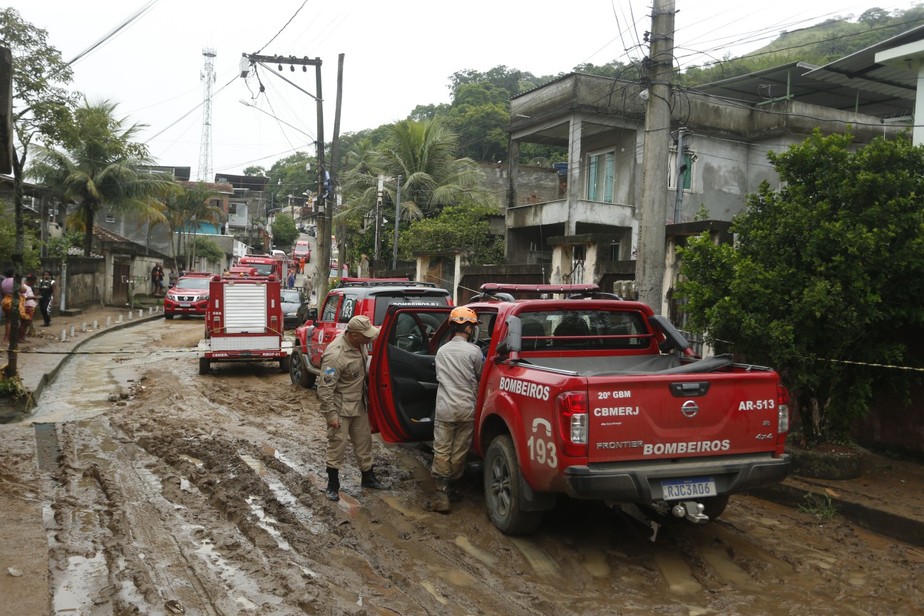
pixel 782 407
pixel 571 407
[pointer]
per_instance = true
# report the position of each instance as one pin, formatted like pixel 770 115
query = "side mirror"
pixel 513 341
pixel 312 314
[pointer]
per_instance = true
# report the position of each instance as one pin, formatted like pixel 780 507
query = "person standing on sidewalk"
pixel 343 397
pixel 458 370
pixel 46 290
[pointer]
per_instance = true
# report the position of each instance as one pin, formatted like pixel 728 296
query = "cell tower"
pixel 207 76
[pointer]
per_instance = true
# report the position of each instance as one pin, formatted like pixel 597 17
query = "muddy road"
pixel 166 492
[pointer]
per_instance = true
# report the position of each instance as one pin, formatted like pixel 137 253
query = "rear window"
pixel 584 330
pixel 263 269
pixel 386 299
pixel 291 296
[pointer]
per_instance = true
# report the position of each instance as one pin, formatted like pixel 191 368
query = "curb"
pixel 889 524
pixel 24 408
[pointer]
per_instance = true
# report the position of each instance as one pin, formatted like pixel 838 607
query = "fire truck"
pixel 244 320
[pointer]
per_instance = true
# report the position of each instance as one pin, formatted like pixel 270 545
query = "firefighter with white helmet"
pixel 458 371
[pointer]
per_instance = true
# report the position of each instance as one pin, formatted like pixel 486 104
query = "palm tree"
pixel 100 165
pixel 424 155
pixel 186 209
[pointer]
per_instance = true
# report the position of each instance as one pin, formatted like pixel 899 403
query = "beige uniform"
pixel 342 392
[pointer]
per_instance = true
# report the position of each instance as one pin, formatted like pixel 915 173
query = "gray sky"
pixel 397 55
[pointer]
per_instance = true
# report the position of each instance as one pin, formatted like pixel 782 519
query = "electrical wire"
pixel 122 26
pixel 283 27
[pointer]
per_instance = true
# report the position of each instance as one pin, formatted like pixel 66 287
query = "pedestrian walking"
pixel 344 404
pixel 458 370
pixel 46 291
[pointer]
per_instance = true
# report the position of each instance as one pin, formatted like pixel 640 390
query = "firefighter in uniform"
pixel 343 398
pixel 458 370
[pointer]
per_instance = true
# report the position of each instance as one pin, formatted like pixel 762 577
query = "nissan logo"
pixel 689 409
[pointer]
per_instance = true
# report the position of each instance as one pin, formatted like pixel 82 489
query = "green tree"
pixel 827 278
pixel 100 165
pixel 291 175
pixel 461 228
pixel 41 107
pixel 284 231
pixel 209 250
pixel 424 155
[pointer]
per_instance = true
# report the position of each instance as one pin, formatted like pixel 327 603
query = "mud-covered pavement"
pixel 203 495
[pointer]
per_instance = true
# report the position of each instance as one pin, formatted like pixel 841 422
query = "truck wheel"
pixel 203 365
pixel 285 364
pixel 715 505
pixel 298 373
pixel 502 490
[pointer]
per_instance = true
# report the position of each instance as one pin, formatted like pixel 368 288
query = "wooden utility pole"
pixel 649 267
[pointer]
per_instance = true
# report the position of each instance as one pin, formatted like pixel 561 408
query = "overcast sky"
pixel 397 54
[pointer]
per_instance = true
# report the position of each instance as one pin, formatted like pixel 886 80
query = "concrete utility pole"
pixel 649 267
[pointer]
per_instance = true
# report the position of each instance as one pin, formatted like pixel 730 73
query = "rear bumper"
pixel 641 482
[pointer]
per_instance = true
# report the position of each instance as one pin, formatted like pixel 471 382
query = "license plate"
pixel 694 487
pixel 185 305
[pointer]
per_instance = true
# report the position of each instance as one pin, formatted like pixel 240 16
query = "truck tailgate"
pixel 681 416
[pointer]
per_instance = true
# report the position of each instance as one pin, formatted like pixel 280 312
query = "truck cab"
pixel 355 296
pixel 589 396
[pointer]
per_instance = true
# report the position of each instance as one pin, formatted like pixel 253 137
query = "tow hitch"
pixel 686 510
pixel 691 511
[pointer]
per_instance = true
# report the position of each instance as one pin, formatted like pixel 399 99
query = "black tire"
pixel 204 365
pixel 285 364
pixel 502 495
pixel 168 316
pixel 715 505
pixel 297 371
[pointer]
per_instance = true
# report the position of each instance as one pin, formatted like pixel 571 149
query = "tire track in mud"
pixel 225 474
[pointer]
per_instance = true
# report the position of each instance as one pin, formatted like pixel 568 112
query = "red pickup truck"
pixel 586 395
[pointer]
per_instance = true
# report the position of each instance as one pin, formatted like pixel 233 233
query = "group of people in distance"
pixel 343 396
pixel 33 293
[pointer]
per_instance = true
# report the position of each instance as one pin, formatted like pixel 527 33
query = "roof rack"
pixel 383 282
pixel 492 291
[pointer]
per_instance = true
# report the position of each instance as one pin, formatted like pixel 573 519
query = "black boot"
pixel 333 484
pixel 371 481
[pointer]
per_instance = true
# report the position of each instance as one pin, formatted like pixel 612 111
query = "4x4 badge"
pixel 689 409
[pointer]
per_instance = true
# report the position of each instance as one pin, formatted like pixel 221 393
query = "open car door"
pixel 402 372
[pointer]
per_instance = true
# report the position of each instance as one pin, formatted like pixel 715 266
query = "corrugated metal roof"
pixel 801 81
pixel 861 71
pixel 854 83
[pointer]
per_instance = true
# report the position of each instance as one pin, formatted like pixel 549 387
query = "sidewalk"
pixel 41 356
pixel 887 498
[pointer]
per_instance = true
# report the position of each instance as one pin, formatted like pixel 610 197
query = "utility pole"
pixel 649 268
pixel 323 283
pixel 324 179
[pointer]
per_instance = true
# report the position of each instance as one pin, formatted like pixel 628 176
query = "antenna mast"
pixel 207 76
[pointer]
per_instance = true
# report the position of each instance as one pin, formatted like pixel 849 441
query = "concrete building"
pixel 718 142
